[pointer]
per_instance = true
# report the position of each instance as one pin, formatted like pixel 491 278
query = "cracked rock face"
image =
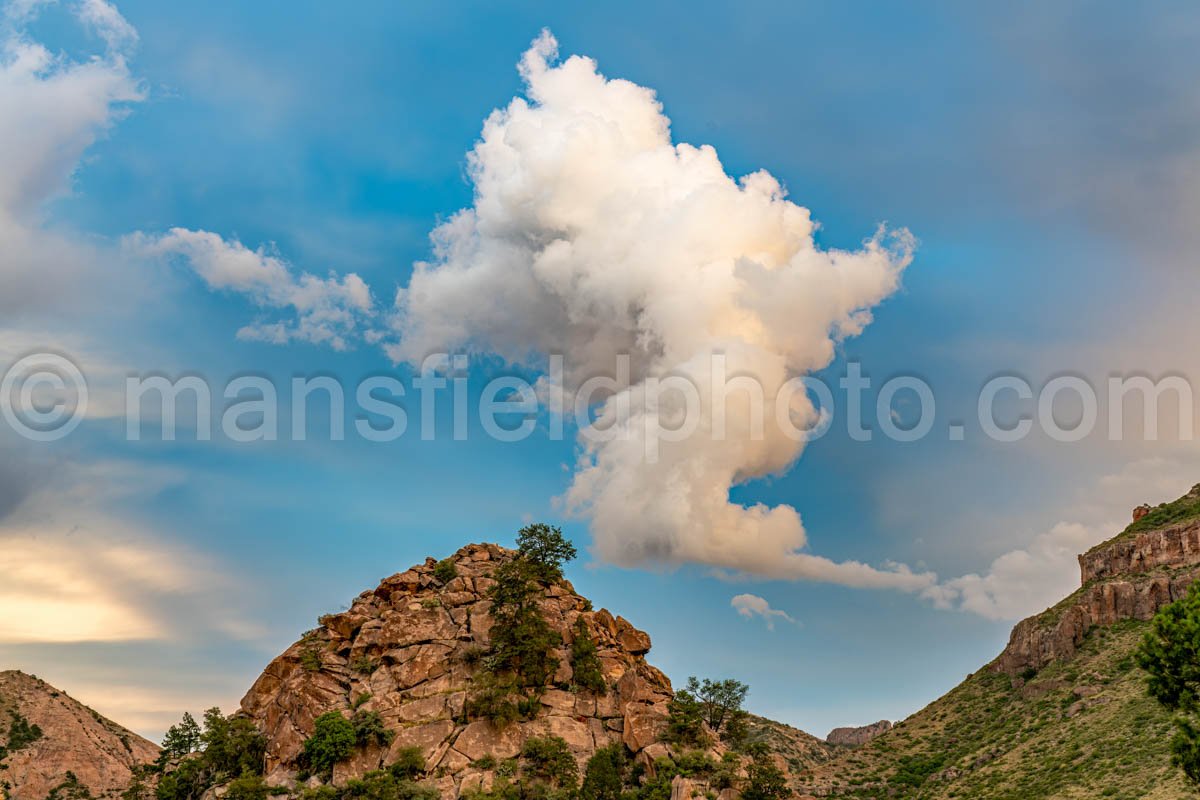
pixel 75 739
pixel 1130 577
pixel 413 646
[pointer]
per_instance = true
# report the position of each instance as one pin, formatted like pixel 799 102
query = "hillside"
pixel 47 737
pixel 415 656
pixel 1063 712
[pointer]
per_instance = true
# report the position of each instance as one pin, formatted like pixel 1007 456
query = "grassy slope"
pixel 1181 510
pixel 1020 744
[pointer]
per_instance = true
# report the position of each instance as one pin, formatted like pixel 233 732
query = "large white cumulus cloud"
pixel 593 235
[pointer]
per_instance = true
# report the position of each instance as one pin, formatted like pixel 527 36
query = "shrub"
pixel 445 571
pixel 549 758
pixel 69 789
pixel 409 763
pixel 585 664
pixel 364 665
pixel 21 734
pixel 685 720
pixel 765 781
pixel 333 741
pixel 604 777
pixel 362 700
pixel 472 655
pixel 369 729
pixel 248 787
pixel 310 653
pixel 493 699
pixel 486 763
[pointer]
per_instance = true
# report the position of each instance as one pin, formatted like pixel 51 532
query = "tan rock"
pixel 481 738
pixel 75 739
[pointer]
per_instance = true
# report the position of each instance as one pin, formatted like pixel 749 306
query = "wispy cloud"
pixel 751 605
pixel 332 310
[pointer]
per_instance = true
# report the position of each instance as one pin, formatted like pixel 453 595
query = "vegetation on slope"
pixel 1184 509
pixel 1079 729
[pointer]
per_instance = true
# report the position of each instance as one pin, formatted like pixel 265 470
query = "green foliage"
pixel 228 749
pixel 604 777
pixel 545 547
pixel 1170 654
pixel 182 738
pixel 409 763
pixel 445 571
pixel 1181 510
pixel 21 734
pixel 232 746
pixel 389 784
pixel 487 762
pixel 69 789
pixel 370 730
pixel 685 720
pixel 363 665
pixel 585 664
pixel 719 700
pixel 914 770
pixel 494 699
pixel 310 653
pixel 334 739
pixel 736 729
pixel 549 758
pixel 523 643
pixel 248 787
pixel 765 781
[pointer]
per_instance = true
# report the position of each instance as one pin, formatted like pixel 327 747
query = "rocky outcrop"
pixel 1057 634
pixel 410 650
pixel 855 737
pixel 74 739
pixel 1174 546
pixel 1131 576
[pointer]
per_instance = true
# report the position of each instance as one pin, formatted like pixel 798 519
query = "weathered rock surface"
pixel 1131 576
pixel 854 737
pixel 100 753
pixel 411 647
pixel 1174 546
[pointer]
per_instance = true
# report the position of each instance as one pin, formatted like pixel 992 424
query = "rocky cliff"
pixel 856 737
pixel 46 735
pixel 410 651
pixel 1129 577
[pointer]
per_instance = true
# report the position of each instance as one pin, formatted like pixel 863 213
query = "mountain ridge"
pixel 57 738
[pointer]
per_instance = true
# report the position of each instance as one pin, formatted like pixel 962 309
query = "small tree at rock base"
pixel 333 741
pixel 765 781
pixel 548 758
pixel 604 778
pixel 1170 653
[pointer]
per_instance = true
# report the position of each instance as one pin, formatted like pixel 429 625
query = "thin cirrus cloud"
pixel 751 605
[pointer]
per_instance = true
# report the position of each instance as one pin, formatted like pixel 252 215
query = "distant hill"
pixel 49 741
pixel 1063 712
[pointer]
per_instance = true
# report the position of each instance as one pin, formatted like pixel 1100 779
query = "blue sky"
pixel 1043 157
